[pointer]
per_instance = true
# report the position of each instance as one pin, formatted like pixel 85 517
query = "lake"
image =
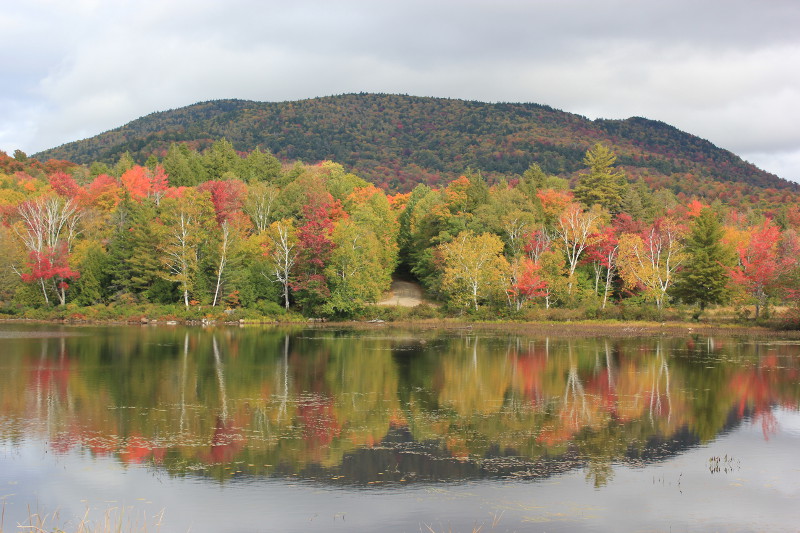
pixel 268 429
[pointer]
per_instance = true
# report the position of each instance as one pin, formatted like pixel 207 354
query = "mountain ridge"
pixel 397 141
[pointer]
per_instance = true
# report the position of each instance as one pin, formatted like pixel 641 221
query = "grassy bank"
pixel 556 327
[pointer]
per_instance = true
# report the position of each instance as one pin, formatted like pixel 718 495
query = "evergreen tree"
pixel 532 180
pixel 184 166
pixel 97 168
pixel 124 164
pixel 221 159
pixel 259 166
pixel 638 202
pixel 133 266
pixel 603 184
pixel 704 277
pixel 478 191
pixel 151 162
pixel 91 288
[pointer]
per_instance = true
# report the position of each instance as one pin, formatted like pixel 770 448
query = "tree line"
pixel 223 230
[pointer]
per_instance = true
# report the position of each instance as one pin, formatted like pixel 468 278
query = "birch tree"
pixel 652 258
pixel 185 225
pixel 574 230
pixel 47 227
pixel 227 236
pixel 259 204
pixel 473 266
pixel 282 251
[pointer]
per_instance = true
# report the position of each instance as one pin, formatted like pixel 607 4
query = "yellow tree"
pixel 474 267
pixel 651 258
pixel 552 271
pixel 369 208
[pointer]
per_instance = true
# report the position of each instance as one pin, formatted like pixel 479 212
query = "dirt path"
pixel 403 294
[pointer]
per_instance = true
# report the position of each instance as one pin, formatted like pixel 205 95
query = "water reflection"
pixel 349 407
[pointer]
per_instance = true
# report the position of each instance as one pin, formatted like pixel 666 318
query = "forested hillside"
pixel 397 141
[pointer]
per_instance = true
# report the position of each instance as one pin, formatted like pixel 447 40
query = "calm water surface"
pixel 251 429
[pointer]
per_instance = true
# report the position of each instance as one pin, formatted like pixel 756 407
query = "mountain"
pixel 397 141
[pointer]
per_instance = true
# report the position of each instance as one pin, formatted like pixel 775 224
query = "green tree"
pixel 97 168
pixel 369 208
pixel 221 159
pixel 124 164
pixel 478 191
pixel 534 180
pixel 603 184
pixel 637 202
pixel 91 287
pixel 259 166
pixel 423 225
pixel 184 166
pixel 12 257
pixel 186 224
pixel 355 271
pixel 704 277
pixel 507 212
pixel 134 266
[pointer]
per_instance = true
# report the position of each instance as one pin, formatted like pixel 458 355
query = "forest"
pixel 221 234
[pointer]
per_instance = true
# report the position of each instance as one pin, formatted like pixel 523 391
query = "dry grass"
pixel 477 528
pixel 579 328
pixel 114 520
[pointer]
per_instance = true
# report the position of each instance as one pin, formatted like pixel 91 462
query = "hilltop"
pixel 397 141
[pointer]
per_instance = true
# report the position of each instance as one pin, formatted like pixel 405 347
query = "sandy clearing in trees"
pixel 403 294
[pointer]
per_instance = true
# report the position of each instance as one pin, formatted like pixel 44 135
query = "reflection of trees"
pixel 52 400
pixel 184 361
pixel 573 409
pixel 221 380
pixel 304 402
pixel 656 406
pixel 283 375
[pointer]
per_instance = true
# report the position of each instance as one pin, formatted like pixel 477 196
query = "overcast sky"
pixel 726 70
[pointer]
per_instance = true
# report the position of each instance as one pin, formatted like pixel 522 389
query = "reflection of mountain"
pixel 354 408
pixel 400 460
pixel 659 448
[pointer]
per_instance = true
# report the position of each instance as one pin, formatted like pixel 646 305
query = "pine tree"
pixel 704 277
pixel 603 184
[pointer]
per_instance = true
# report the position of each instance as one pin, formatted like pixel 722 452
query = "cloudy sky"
pixel 726 70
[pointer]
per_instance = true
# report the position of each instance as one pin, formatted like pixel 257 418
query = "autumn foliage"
pixel 224 228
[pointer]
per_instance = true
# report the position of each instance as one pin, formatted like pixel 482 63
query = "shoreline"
pixel 576 328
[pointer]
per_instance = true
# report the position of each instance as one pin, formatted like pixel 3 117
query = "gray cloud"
pixel 723 70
